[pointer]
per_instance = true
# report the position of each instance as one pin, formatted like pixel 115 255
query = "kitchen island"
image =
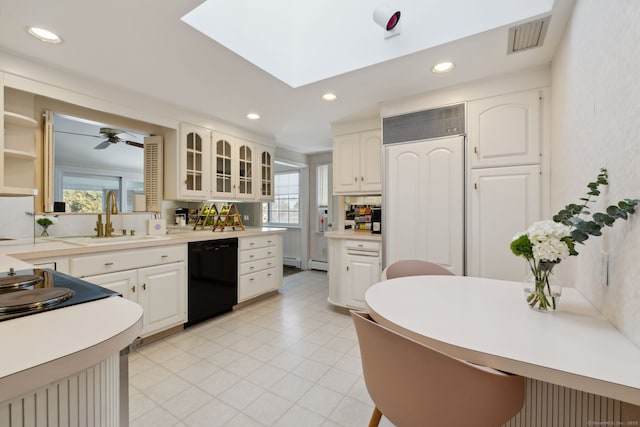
pixel 66 364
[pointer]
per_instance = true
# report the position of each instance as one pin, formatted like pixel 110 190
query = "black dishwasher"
pixel 213 279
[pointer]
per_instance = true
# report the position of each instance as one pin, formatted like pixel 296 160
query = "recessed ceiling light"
pixel 44 35
pixel 253 116
pixel 443 67
pixel 329 97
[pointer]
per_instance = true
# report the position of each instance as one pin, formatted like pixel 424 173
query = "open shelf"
pixel 19 120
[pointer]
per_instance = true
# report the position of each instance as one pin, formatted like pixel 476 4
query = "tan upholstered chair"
pixel 416 386
pixel 413 267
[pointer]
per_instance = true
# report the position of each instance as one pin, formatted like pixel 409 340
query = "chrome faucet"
pixel 111 200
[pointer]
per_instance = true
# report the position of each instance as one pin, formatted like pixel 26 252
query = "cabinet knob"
pixel 355 178
pixel 362 178
pixel 133 289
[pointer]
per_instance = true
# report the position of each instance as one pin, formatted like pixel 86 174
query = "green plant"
pixel 582 228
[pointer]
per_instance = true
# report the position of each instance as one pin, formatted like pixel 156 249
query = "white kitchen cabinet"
pixel 354 265
pixel 424 205
pixel 505 130
pixel 357 163
pixel 502 202
pixel 234 164
pixel 260 265
pixel 194 155
pixel 212 165
pixel 266 193
pixel 18 135
pixel 155 278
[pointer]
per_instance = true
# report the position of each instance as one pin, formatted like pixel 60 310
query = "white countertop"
pixel 353 235
pixel 27 249
pixel 488 322
pixel 42 348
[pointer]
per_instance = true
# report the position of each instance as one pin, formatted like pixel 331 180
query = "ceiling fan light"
pixel 44 35
pixel 253 116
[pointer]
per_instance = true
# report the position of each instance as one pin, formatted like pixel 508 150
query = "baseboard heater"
pixel 291 261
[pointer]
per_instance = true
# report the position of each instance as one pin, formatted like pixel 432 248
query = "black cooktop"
pixel 36 284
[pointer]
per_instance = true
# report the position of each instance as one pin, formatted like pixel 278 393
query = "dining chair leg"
pixel 375 417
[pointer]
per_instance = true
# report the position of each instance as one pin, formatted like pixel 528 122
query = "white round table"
pixel 488 322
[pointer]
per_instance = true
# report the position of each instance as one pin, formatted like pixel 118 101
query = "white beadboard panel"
pixel 551 405
pixel 88 398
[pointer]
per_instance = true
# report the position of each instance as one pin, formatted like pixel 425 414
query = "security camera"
pixel 386 18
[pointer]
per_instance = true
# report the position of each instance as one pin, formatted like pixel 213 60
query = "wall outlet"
pixel 603 264
pixel 245 218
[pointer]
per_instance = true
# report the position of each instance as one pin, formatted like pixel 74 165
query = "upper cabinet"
pixel 213 165
pixel 357 163
pixel 18 135
pixel 504 130
pixel 266 173
pixel 194 155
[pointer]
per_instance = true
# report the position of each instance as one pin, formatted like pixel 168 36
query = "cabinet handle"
pixel 268 263
pixel 251 280
pixel 347 268
pixel 475 185
pixel 475 149
pixel 133 289
pixel 250 256
pixel 268 241
pixel 144 286
pixel 269 275
pixel 164 256
pixel 252 243
pixel 355 178
pixel 251 268
pixel 269 253
pixel 360 245
pixel 108 264
pixel 362 178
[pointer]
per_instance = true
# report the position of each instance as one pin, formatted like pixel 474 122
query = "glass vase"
pixel 541 295
pixel 44 233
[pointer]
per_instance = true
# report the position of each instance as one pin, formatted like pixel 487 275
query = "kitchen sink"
pixel 113 240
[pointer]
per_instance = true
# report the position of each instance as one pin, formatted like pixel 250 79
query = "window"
pixel 285 209
pixel 87 193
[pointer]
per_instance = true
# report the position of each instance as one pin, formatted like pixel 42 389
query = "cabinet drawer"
pixel 258 283
pixel 362 245
pixel 255 266
pixel 256 254
pixel 107 262
pixel 256 242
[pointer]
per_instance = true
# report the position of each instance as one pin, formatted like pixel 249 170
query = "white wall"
pixel 595 118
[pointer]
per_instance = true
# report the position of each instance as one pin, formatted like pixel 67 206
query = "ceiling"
pixel 145 47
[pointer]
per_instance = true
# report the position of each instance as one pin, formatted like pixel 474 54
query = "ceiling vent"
pixel 528 35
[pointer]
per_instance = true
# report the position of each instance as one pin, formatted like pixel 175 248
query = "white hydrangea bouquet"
pixel 546 243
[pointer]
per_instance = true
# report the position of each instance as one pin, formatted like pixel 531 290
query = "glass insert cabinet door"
pixel 245 175
pixel 223 183
pixel 266 178
pixel 194 157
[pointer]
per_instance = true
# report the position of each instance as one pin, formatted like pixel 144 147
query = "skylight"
pixel 302 42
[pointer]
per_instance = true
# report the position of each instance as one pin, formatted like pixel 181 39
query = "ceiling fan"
pixel 112 137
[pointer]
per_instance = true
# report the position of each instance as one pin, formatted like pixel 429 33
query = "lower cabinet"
pixel 354 265
pixel 160 289
pixel 260 271
pixel 157 289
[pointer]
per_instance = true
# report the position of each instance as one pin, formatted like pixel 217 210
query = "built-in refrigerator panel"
pixel 424 202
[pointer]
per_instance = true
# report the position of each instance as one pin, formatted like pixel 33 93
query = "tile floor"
pixel 290 360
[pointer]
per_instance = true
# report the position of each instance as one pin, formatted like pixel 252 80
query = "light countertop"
pixel 353 235
pixel 27 249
